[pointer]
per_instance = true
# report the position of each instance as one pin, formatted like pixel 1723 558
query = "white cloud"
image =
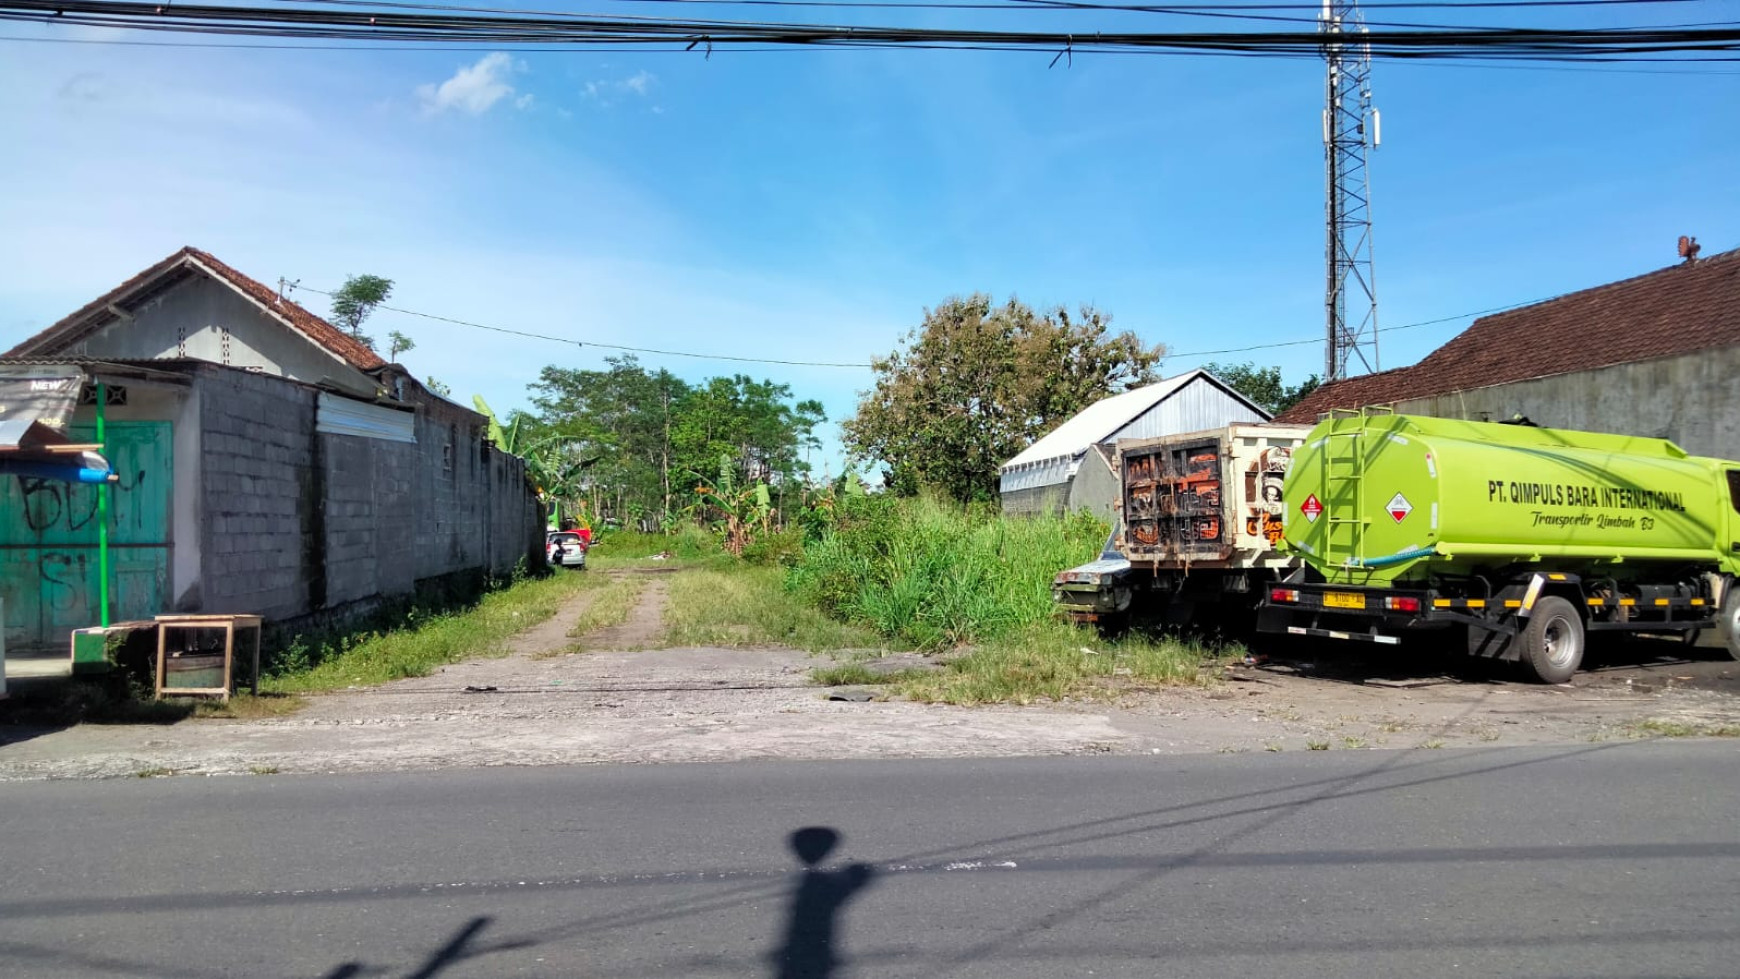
pixel 475 88
pixel 606 92
pixel 524 102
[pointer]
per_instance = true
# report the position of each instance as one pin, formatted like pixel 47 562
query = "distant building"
pixel 1070 468
pixel 268 463
pixel 1657 355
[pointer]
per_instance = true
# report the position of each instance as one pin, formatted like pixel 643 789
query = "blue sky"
pixel 809 205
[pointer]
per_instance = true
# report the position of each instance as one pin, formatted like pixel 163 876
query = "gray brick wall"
pixel 255 456
pixel 301 522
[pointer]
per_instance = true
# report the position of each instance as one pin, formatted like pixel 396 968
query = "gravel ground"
pixel 628 703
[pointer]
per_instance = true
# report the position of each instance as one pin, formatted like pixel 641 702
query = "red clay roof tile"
pixel 1678 310
pixel 343 345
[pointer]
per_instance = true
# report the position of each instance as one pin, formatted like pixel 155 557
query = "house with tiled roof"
pixel 267 463
pixel 1655 355
pixel 192 306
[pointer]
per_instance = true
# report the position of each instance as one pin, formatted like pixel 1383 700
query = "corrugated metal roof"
pixel 1097 421
pixel 1105 418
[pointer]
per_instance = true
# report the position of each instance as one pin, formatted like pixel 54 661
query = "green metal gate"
pixel 48 540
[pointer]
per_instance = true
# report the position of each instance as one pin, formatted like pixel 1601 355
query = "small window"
pixel 1734 489
pixel 447 457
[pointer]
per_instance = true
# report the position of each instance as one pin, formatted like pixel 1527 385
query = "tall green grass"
pixel 930 575
pixel 744 605
pixel 419 646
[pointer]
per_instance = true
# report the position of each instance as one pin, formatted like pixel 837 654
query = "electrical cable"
pixel 864 366
pixel 377 23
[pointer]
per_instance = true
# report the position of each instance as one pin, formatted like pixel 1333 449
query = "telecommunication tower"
pixel 1350 130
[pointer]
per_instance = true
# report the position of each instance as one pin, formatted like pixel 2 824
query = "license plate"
pixel 1343 599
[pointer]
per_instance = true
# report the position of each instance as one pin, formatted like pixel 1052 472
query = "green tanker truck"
pixel 1519 540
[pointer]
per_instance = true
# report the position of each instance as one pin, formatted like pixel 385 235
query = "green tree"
pixel 976 383
pixel 397 344
pixel 657 438
pixel 438 387
pixel 355 300
pixel 1263 385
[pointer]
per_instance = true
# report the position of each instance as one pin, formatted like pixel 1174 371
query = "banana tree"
pixel 744 511
pixel 555 463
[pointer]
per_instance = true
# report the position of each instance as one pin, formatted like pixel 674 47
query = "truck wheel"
pixel 1552 642
pixel 1729 628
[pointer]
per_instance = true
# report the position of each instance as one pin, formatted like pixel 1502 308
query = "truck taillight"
pixel 1403 604
pixel 1283 595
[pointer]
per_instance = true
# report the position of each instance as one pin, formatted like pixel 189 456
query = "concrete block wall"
pixel 299 522
pixel 256 481
pixel 1693 400
pixel 371 517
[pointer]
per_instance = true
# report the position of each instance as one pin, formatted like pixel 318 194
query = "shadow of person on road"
pixel 438 960
pixel 811 948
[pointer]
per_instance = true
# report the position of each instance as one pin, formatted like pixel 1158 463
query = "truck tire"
pixel 1552 642
pixel 1728 628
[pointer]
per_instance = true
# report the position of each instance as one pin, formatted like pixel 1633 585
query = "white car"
pixel 565 549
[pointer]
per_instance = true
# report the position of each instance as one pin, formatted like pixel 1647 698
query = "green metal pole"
pixel 103 510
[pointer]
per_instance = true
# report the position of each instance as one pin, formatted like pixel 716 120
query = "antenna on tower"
pixel 1350 129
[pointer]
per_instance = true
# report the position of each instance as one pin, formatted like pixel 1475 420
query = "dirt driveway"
pixel 544 704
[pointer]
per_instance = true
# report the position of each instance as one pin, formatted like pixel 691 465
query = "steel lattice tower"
pixel 1350 130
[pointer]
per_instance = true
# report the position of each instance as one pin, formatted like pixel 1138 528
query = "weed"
pixel 1658 728
pixel 1272 746
pixel 1317 745
pixel 155 772
pixel 1049 661
pixel 1392 726
pixel 262 769
pixel 859 675
pixel 250 707
pixel 750 606
pixel 1487 734
pixel 1432 743
pixel 932 575
pixel 434 640
pixel 612 602
pixel 1352 742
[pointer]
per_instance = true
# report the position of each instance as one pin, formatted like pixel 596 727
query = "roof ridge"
pixel 317 330
pixel 1719 257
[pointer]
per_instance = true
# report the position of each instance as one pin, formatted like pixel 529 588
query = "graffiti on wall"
pixel 49 504
pixel 1263 483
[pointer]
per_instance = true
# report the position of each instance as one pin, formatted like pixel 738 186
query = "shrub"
pixel 934 574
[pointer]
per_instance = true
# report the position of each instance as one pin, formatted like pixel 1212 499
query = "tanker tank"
pixel 1380 499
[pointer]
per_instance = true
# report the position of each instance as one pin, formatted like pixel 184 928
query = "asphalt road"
pixel 1601 859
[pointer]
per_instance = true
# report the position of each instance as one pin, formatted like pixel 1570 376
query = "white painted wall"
pixel 191 318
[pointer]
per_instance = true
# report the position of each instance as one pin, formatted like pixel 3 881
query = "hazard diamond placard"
pixel 1399 508
pixel 1311 508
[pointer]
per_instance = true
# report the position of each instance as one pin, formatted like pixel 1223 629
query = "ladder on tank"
pixel 1344 454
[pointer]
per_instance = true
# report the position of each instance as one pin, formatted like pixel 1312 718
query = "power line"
pixel 588 343
pixel 573 32
pixel 1588 66
pixel 865 366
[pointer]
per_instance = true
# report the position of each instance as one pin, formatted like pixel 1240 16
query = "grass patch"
pixel 156 772
pixel 932 575
pixel 250 707
pixel 612 601
pixel 262 769
pixel 1658 728
pixel 426 643
pixel 690 546
pixel 859 675
pixel 1055 661
pixel 751 606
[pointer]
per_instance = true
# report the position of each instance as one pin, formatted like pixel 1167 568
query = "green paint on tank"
pixel 1380 498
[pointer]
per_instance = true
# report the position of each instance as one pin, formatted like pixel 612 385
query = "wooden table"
pixel 229 624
